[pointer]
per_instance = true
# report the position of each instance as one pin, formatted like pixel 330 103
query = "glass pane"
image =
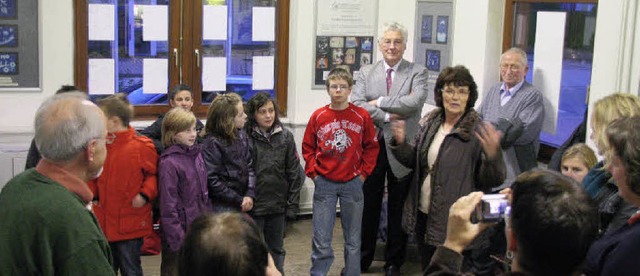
pixel 131 49
pixel 576 64
pixel 239 48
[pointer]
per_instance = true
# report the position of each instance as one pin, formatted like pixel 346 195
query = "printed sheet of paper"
pixel 155 75
pixel 214 22
pixel 263 72
pixel 101 76
pixel 155 25
pixel 264 24
pixel 214 74
pixel 101 22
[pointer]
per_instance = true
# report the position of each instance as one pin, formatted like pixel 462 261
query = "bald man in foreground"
pixel 46 225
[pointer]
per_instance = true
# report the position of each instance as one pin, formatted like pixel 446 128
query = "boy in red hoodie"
pixel 124 191
pixel 340 149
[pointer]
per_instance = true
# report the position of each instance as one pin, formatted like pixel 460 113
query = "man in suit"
pixel 516 108
pixel 392 88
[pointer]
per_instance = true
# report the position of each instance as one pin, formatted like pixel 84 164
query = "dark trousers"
pixel 126 257
pixel 373 190
pixel 272 230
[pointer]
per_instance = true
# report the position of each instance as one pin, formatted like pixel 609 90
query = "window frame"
pixel 187 60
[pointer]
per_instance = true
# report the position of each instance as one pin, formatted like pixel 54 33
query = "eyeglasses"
pixel 388 42
pixel 512 67
pixel 462 92
pixel 335 87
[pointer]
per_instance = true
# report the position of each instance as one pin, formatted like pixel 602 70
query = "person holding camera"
pixel 454 153
pixel 549 228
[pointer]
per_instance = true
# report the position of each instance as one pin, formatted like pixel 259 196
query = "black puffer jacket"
pixel 278 172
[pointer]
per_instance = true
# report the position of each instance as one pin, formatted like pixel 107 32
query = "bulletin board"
pixel 344 36
pixel 433 39
pixel 19 47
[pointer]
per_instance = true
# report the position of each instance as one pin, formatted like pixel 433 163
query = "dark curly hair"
pixel 458 76
pixel 256 102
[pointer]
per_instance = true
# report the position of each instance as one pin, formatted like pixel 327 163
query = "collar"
pixel 395 67
pixel 124 135
pixel 464 128
pixel 73 183
pixel 513 89
pixel 635 218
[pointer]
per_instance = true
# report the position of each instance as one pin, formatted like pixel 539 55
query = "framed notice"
pixel 345 32
pixel 432 47
pixel 19 46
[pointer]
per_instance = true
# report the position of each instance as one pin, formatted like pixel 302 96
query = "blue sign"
pixel 8 63
pixel 8 35
pixel 433 60
pixel 7 8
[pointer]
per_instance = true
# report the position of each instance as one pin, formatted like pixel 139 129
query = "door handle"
pixel 197 53
pixel 175 56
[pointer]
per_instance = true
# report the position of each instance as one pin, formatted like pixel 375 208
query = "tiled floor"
pixel 298 246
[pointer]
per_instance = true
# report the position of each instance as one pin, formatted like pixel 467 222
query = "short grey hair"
pixel 518 51
pixel 65 123
pixel 396 27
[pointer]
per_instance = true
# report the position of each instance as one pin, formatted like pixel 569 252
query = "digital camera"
pixel 492 208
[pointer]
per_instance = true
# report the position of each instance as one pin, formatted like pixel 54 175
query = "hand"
pixel 138 201
pixel 362 178
pixel 460 230
pixel 397 127
pixel 373 102
pixel 506 191
pixel 489 139
pixel 395 117
pixel 271 268
pixel 247 204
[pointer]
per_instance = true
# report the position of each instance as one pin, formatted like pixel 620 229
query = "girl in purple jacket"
pixel 182 181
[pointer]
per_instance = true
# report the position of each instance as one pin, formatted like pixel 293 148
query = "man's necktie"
pixel 389 79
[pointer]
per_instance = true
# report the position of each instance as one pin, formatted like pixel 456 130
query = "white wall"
pixel 477 40
pixel 616 58
pixel 17 109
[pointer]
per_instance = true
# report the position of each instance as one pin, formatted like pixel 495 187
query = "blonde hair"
pixel 220 116
pixel 582 152
pixel 605 111
pixel 175 121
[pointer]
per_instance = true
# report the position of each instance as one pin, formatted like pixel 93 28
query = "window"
pixel 520 29
pixel 182 52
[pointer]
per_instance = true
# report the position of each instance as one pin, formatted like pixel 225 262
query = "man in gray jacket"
pixel 392 88
pixel 516 108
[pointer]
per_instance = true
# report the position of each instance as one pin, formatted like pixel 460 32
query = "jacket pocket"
pixel 133 220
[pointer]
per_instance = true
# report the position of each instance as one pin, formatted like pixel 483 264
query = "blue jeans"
pixel 325 197
pixel 272 229
pixel 126 257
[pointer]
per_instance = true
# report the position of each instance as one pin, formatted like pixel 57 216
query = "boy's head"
pixel 117 109
pixel 339 83
pixel 181 96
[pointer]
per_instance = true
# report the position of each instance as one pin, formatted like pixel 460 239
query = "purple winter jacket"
pixel 182 184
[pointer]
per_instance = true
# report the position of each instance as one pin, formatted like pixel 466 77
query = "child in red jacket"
pixel 122 193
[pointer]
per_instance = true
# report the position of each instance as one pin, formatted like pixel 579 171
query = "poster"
pixel 345 32
pixel 347 52
pixel 442 30
pixel 427 29
pixel 8 35
pixel 7 9
pixel 9 63
pixel 346 17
